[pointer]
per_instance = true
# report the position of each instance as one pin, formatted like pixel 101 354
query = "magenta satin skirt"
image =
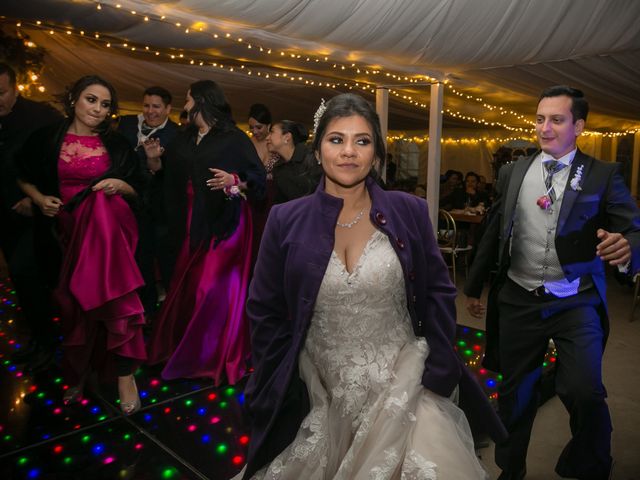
pixel 100 310
pixel 201 329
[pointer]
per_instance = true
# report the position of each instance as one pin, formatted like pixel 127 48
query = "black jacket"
pixel 38 164
pixel 297 177
pixel 214 215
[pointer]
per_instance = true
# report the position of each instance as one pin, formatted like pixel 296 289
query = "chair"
pixel 448 242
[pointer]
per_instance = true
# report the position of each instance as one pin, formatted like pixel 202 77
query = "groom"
pixel 559 216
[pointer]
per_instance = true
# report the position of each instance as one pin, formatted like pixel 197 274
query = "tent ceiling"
pixel 504 51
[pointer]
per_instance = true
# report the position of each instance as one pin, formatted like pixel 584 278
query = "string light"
pixel 419 139
pixel 304 76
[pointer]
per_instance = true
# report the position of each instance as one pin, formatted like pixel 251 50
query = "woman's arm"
pixel 48 204
pixel 267 311
pixel 442 366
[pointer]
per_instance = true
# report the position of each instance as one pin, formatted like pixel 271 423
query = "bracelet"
pixel 236 179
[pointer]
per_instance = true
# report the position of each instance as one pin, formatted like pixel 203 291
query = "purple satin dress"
pixel 202 328
pixel 101 313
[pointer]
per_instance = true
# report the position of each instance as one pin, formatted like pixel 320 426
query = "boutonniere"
pixel 544 202
pixel 577 178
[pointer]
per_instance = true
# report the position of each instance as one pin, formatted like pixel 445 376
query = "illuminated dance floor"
pixel 186 429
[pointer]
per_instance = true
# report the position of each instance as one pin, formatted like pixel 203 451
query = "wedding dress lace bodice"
pixel 360 323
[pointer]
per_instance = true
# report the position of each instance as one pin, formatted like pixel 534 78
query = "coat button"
pixel 415 299
pixel 400 243
pixel 380 220
pixel 412 275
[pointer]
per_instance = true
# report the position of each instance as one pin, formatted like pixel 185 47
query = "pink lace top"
pixel 82 160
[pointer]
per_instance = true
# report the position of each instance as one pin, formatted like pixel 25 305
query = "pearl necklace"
pixel 353 222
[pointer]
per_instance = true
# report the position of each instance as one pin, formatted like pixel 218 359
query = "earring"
pixel 319 161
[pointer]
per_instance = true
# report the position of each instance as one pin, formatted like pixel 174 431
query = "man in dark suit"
pixel 559 216
pixel 152 129
pixel 19 117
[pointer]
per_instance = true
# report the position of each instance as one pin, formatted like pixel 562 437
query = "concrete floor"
pixel 622 380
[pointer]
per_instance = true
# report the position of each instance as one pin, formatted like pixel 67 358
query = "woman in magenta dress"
pixel 82 175
pixel 201 329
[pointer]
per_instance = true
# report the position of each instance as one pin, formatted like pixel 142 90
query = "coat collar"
pixel 570 195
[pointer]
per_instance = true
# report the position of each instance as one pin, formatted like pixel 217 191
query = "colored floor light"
pixel 169 473
pixel 222 449
pixel 244 440
pixel 238 460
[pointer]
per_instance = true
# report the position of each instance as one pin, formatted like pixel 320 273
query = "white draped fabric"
pixel 505 51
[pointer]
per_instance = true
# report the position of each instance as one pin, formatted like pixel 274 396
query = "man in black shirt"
pixel 19 117
pixel 143 131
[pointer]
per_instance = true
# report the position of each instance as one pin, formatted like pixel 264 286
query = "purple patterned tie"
pixel 552 167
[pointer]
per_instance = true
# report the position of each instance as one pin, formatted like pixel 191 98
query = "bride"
pixel 353 320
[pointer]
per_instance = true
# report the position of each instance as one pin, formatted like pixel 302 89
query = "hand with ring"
pixel 110 186
pixel 220 179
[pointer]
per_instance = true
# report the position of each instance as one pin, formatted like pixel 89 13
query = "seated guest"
pixel 149 132
pixel 449 183
pixel 467 197
pixel 297 173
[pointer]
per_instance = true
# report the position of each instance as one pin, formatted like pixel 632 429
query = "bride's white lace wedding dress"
pixel 370 416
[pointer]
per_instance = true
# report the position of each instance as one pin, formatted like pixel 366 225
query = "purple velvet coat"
pixel 294 254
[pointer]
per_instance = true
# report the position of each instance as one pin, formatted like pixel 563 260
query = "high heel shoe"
pixel 72 395
pixel 129 408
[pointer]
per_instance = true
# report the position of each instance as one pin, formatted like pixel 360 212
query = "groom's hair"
pixel 579 104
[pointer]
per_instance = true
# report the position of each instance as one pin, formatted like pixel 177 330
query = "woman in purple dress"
pixel 82 176
pixel 201 329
